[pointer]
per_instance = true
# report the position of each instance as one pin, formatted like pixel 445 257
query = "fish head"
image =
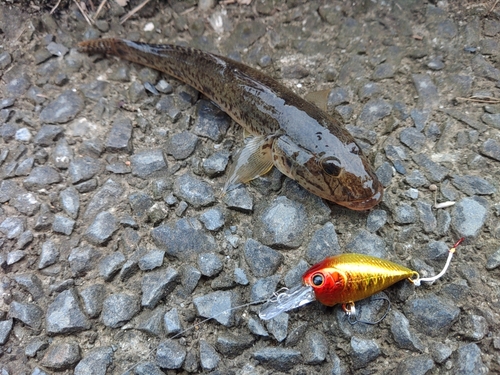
pixel 340 173
pixel 327 282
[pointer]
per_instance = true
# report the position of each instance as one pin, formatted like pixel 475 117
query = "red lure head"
pixel 327 282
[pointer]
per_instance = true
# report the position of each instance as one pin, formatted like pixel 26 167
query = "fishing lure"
pixel 345 279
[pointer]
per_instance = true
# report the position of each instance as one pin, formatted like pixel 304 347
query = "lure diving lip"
pixel 345 279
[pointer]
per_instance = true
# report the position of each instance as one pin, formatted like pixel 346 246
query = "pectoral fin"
pixel 252 161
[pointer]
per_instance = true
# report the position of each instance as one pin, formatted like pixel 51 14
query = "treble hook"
pixel 350 311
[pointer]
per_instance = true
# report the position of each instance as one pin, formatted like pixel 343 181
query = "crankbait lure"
pixel 345 279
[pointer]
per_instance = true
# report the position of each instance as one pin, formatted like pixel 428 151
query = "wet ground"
pixel 115 235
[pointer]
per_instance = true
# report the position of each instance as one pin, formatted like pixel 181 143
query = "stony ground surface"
pixel 114 234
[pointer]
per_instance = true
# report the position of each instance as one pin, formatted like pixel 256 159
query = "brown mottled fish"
pixel 302 141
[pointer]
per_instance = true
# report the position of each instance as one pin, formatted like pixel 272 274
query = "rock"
pixel 314 348
pixel 110 265
pixel 64 314
pixel 440 352
pixel 5 329
pixel 148 163
pixel 82 260
pixel 282 223
pixel 213 219
pixel 172 322
pixel 104 199
pixel 294 276
pixel 278 326
pixel 363 351
pixel 101 229
pixel 119 308
pixel 432 170
pixel 412 138
pixel 364 242
pixel 324 243
pixel 63 109
pixel 231 345
pixel 209 264
pixel 239 199
pixel 431 315
pixel 83 169
pixel 376 219
pixel 92 299
pixel 26 203
pixel 150 322
pixel 170 355
pixel 468 360
pixel 493 260
pixel 473 185
pixel 216 305
pixel 62 154
pixel 184 239
pixel 96 362
pixel 210 121
pixel 151 260
pixel 181 145
pixel 405 214
pixel 262 260
pixel 373 111
pixel 120 136
pixel 209 358
pixel 63 225
pixel 41 177
pixel 216 163
pixel 491 149
pixel 61 356
pixel 468 217
pixel 264 288
pixel 36 345
pixel 194 191
pixel 190 277
pixel 240 277
pixel 12 227
pixel 427 92
pixel 419 365
pixel 70 202
pixel 280 359
pixel 31 283
pixel 257 328
pixel 28 313
pixel 47 135
pixel 404 337
pixel 426 215
pixel 156 285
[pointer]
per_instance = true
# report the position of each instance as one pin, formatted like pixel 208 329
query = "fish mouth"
pixel 364 204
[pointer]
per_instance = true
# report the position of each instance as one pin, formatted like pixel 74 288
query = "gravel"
pixel 115 230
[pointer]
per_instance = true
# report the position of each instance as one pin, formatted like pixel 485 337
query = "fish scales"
pixel 302 141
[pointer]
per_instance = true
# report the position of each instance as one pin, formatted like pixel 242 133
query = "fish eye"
pixel 331 165
pixel 318 279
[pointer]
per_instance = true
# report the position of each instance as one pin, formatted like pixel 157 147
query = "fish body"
pixel 290 133
pixel 350 277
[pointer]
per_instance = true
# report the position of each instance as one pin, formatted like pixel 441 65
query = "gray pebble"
pixel 216 305
pixel 28 313
pixel 189 278
pixel 231 345
pixel 432 170
pixel 363 351
pixel 81 260
pixel 70 201
pixel 184 239
pixel 492 119
pixel 440 352
pixel 468 217
pixel 41 177
pixel 44 219
pixel 493 260
pixel 18 85
pixel 151 322
pixel 24 167
pixel 416 179
pixel 264 288
pixel 5 60
pixel 66 305
pixel 418 365
pixel 148 162
pixel 118 309
pixel 15 256
pixel 239 199
pixel 364 242
pixel 278 326
pixel 431 315
pixel 61 356
pixel 412 138
pixel 282 223
pixel 262 260
pixel 156 285
pixel 314 348
pixel 383 71
pixel 426 215
pixel 385 173
pixel 491 148
pixel 63 225
pixel 57 49
pixel 194 191
pixel 26 203
pixel 473 185
pixel 170 355
pixel 105 198
pixel 240 277
pixel 62 154
pixel 216 163
pixel 181 145
pixel 474 327
pixel 111 264
pixel 209 358
pixel 92 299
pixel 102 228
pixel 12 227
pixel 164 87
pixel 151 260
pixel 256 327
pixel 210 121
pixel 23 135
pixel 468 360
pixel 30 283
pixel 428 96
pixel 140 203
pixel 373 111
pixel 96 362
pixel 63 109
pixel 280 359
pixel 8 190
pixel 436 250
pixel 213 219
pixel 324 243
pixel 376 219
pixel 47 135
pixel 119 138
pixel 83 169
pixel 5 329
pixel 36 345
pixel 209 264
pixel 419 118
pixel 403 335
pixel 294 276
pixel 172 322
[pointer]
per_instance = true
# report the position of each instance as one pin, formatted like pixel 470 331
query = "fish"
pixel 302 141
